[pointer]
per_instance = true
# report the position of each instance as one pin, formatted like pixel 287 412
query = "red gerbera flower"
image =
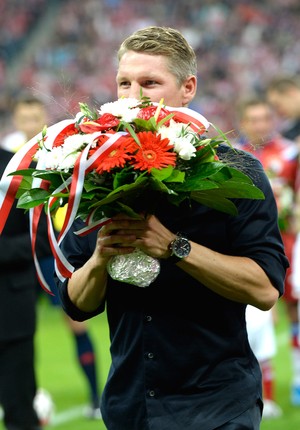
pixel 154 152
pixel 119 153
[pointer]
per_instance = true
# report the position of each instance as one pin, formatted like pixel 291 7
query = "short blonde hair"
pixel 164 41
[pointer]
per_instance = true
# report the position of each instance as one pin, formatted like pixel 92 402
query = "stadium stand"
pixel 239 45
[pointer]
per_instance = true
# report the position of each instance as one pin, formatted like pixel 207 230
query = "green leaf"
pixel 128 210
pixel 199 185
pixel 204 170
pixel 162 174
pixel 123 177
pixel 89 186
pixel 165 119
pixel 25 185
pixel 176 199
pixel 86 110
pixel 32 198
pixel 145 125
pixel 122 191
pixel 157 185
pixel 218 203
pixel 131 131
pixel 25 172
pixel 221 175
pixel 241 190
pixel 168 174
pixel 176 176
pixel 239 176
pixel 56 179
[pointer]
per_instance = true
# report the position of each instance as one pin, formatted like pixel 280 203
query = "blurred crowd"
pixel 240 46
pixel 17 19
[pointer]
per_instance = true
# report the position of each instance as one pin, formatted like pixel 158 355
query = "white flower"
pixel 180 136
pixel 124 108
pixel 68 161
pixel 72 148
pixel 184 148
pixel 63 157
pixel 78 141
pixel 51 159
pixel 174 130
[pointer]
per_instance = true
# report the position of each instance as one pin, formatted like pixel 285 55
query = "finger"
pixel 118 240
pixel 123 227
pixel 111 251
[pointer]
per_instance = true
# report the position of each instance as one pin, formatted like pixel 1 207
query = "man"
pixel 283 93
pixel 180 353
pixel 279 156
pixel 17 320
pixel 29 116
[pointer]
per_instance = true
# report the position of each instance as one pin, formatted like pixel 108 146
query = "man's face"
pixel 150 73
pixel 29 118
pixel 285 103
pixel 257 123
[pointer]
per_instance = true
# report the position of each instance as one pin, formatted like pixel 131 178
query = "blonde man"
pixel 180 352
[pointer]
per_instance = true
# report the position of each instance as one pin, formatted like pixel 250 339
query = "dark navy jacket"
pixel 180 352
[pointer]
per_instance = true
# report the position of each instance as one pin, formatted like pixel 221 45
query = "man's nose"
pixel 135 91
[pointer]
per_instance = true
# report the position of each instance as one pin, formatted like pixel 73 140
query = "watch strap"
pixel 174 259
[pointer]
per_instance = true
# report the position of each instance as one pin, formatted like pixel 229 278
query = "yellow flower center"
pixel 113 153
pixel 150 155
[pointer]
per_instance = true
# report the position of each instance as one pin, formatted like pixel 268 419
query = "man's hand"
pixel 123 234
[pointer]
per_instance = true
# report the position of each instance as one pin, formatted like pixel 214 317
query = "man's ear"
pixel 189 90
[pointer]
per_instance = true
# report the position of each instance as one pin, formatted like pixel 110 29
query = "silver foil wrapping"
pixel 136 268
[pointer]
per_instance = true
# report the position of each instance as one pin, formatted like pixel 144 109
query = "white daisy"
pixel 124 108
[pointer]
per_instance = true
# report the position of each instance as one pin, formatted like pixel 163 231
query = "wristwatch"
pixel 180 248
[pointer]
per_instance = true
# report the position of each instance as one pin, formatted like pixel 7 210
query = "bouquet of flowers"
pixel 106 161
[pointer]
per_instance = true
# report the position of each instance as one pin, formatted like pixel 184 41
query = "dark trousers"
pixel 18 384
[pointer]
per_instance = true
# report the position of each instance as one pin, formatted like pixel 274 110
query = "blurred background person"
pixel 262 339
pixel 84 347
pixel 279 157
pixel 18 280
pixel 29 116
pixel 283 93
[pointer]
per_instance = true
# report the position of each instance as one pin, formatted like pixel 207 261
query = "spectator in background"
pixel 262 339
pixel 17 319
pixel 283 93
pixel 279 157
pixel 29 117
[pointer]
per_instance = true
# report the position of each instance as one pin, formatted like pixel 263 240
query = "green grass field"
pixel 58 371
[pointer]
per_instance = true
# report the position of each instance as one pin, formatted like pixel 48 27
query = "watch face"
pixel 181 247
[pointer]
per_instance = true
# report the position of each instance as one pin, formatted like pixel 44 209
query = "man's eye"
pixel 124 84
pixel 149 83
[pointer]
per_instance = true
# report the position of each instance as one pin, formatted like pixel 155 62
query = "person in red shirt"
pixel 279 157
